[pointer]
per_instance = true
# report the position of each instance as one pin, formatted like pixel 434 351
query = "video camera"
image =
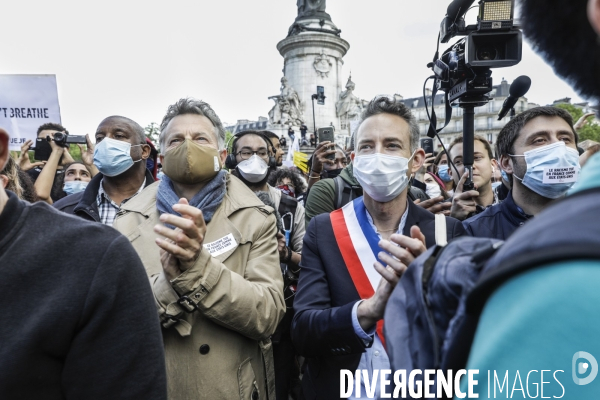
pixel 64 140
pixel 464 71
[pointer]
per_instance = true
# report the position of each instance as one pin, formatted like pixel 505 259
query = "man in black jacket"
pixel 341 297
pixel 78 315
pixel 539 130
pixel 121 160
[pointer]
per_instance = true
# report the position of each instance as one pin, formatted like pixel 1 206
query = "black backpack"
pixel 566 231
pixel 431 317
pixel 344 192
pixel 427 305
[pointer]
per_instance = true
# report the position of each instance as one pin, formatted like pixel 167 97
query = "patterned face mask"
pixel 287 189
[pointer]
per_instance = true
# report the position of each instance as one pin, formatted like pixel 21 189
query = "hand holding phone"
pixel 326 135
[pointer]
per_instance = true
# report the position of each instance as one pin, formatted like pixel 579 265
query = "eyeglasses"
pixel 246 154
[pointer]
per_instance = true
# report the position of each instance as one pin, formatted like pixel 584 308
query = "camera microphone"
pixel 455 12
pixel 458 8
pixel 518 88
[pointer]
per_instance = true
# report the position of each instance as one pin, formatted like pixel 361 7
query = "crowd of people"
pixel 203 268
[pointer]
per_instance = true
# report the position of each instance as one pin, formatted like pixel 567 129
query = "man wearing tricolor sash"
pixel 353 258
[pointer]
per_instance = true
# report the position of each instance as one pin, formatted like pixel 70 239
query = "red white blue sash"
pixel 358 244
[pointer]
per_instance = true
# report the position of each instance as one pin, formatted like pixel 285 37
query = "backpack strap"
pixel 288 204
pixel 344 192
pixel 441 236
pixel 339 191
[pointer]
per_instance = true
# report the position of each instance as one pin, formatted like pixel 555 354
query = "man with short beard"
pixel 542 137
pixel 252 159
pixel 212 260
pixel 354 257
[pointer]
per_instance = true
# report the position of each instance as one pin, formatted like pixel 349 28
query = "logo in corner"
pixel 581 367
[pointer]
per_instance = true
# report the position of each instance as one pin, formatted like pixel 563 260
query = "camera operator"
pixel 466 204
pixel 44 173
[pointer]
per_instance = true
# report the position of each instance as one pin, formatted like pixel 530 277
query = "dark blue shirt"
pixel 498 221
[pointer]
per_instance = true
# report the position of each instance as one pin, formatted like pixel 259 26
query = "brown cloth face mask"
pixel 191 163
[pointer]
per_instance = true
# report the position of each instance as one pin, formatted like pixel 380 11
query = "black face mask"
pixel 331 173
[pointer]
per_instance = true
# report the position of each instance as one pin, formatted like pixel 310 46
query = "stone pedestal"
pixel 313 57
pixel 280 131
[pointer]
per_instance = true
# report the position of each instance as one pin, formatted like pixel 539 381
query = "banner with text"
pixel 26 102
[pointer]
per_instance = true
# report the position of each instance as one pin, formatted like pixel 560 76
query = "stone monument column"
pixel 313 52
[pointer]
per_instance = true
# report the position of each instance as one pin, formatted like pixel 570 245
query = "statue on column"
pixel 288 107
pixel 348 107
pixel 307 7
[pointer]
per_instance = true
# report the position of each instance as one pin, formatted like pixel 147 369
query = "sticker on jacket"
pixel 221 246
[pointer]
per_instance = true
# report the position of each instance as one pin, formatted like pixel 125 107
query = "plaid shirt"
pixel 107 208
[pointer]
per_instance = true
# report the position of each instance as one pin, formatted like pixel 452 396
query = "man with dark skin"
pixel 125 185
pixel 105 194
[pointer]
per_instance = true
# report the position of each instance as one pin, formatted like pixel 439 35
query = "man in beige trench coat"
pixel 209 247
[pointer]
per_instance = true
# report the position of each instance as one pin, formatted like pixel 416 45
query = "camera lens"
pixel 487 53
pixel 60 139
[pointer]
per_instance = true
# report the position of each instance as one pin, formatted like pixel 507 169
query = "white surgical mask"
pixel 72 187
pixel 254 169
pixel 112 157
pixel 433 190
pixel 381 176
pixel 551 169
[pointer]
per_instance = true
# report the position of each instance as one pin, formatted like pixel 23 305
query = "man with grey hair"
pixel 341 295
pixel 209 247
pixel 120 155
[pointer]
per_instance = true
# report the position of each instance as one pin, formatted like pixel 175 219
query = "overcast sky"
pixel 134 58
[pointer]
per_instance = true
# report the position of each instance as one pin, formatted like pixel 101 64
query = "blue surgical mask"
pixel 551 169
pixel 443 173
pixel 504 176
pixel 496 184
pixel 112 157
pixel 73 187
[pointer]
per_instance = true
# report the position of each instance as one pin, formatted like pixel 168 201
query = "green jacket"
pixel 321 197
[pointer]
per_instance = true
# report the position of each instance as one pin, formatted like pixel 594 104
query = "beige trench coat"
pixel 221 349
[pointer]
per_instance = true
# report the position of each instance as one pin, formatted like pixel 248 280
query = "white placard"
pixel 26 102
pixel 221 246
pixel 561 175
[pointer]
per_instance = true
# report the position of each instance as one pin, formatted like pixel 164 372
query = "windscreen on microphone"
pixel 458 8
pixel 520 86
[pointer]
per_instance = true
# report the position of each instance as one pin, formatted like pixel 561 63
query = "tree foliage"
pixel 152 131
pixel 591 130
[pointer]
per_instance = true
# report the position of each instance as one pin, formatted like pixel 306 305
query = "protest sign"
pixel 26 102
pixel 560 175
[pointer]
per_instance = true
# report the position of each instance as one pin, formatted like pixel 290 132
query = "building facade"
pixel 247 125
pixel 486 117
